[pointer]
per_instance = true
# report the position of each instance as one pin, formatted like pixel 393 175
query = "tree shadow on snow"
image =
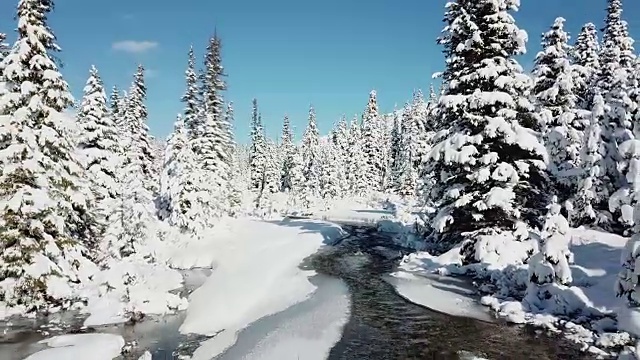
pixel 594 261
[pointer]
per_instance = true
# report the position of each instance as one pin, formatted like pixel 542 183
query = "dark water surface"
pixel 383 325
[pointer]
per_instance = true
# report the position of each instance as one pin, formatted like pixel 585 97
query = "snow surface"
pixel 256 275
pixel 81 346
pixel 590 297
pixel 444 294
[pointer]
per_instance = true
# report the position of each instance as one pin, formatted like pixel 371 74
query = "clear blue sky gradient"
pixel 286 53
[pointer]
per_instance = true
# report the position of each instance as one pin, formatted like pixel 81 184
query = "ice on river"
pixel 444 294
pixel 81 346
pixel 257 275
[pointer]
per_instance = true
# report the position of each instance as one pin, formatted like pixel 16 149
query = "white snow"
pixel 444 294
pixel 589 297
pixel 81 346
pixel 256 275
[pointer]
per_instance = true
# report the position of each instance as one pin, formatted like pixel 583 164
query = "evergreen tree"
pixel 342 155
pixel 4 50
pixel 615 65
pixel 311 159
pixel 409 150
pixel 556 101
pixel 136 128
pixel 272 169
pixel 372 144
pixel 171 170
pixel 191 100
pixel 592 196
pixel 550 266
pixel 356 163
pixel 395 154
pixel 116 110
pixel 586 63
pixel 330 172
pixel 100 153
pixel 489 167
pixel 46 216
pixel 257 152
pixel 213 86
pixel 288 151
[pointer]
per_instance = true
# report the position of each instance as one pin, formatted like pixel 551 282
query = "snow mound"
pixel 447 295
pixel 81 346
pixel 257 275
pixel 585 311
pixel 132 286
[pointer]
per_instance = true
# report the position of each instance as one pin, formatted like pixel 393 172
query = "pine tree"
pixel 373 138
pixel 135 126
pixel 116 110
pixel 213 86
pixel 46 217
pixel 490 167
pixel 356 162
pixel 556 102
pixel 592 195
pixel 342 155
pixel 396 157
pixel 288 151
pixel 171 170
pixel 550 266
pixel 311 159
pixel 409 150
pixel 586 63
pixel 615 65
pixel 100 153
pixel 4 50
pixel 330 172
pixel 257 152
pixel 191 100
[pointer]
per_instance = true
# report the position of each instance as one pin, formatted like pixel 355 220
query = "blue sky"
pixel 287 53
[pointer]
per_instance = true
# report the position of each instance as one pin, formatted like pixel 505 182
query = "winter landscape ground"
pixel 507 197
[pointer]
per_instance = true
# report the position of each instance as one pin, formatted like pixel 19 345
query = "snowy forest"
pixel 494 161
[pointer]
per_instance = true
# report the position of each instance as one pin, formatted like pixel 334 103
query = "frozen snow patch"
pixel 81 346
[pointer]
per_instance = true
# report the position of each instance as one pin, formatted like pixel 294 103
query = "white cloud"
pixel 134 47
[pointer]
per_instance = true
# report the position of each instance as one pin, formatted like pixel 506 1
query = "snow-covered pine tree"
pixel 342 155
pixel 550 266
pixel 287 148
pixel 135 126
pixel 214 165
pixel 407 171
pixel 99 151
pixel 628 199
pixel 116 108
pixel 592 197
pixel 191 99
pixel 272 169
pixel 213 86
pixel 586 63
pixel 330 172
pixel 229 119
pixel 372 134
pixel 98 145
pixel 556 103
pixel 616 56
pixel 490 167
pixel 170 179
pixel 4 49
pixel 257 152
pixel 357 162
pixel 395 156
pixel 46 215
pixel 311 160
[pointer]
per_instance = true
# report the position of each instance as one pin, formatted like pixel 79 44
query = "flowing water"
pixel 383 325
